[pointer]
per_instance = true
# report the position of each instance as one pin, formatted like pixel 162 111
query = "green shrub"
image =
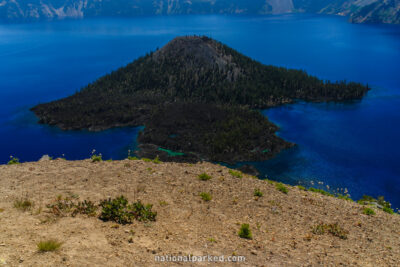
pixel 320 191
pixel 270 181
pixel 146 160
pixel 282 188
pixel 204 177
pixel 131 157
pixel 119 210
pixel 13 160
pixel 382 204
pixel 157 160
pixel 96 157
pixel 302 188
pixel 368 211
pixel 345 197
pixel 163 203
pixel 205 196
pixel 236 174
pixel 333 229
pixel 258 193
pixel 245 232
pixel 366 200
pixel 61 206
pixel 23 204
pixel 388 210
pixel 86 207
pixel 143 212
pixel 49 245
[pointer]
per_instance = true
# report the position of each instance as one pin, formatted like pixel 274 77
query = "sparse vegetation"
pixel 61 206
pixel 206 196
pixel 258 193
pixel 86 207
pixel 146 160
pixel 302 188
pixel 67 206
pixel 163 203
pixel 245 231
pixel 157 160
pixel 345 197
pixel 49 245
pixel 237 174
pixel 119 210
pixel 13 160
pixel 368 211
pixel 282 188
pixel 270 181
pixel 380 203
pixel 333 229
pixel 204 177
pixel 96 157
pixel 320 191
pixel 23 204
pixel 388 210
pixel 131 157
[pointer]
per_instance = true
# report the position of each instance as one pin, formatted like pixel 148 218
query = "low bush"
pixel 302 188
pixel 333 229
pixel 206 196
pixel 13 160
pixel 282 188
pixel 49 245
pixel 345 197
pixel 380 203
pixel 236 174
pixel 204 177
pixel 320 191
pixel 23 204
pixel 86 207
pixel 96 157
pixel 245 232
pixel 157 160
pixel 258 193
pixel 61 206
pixel 119 210
pixel 368 211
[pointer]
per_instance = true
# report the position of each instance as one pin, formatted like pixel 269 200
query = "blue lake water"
pixel 353 145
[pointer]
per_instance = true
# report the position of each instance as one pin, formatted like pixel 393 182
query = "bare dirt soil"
pixel 281 224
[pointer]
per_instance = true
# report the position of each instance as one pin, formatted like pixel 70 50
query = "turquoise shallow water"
pixel 352 145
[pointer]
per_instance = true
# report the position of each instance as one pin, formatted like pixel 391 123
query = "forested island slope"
pixel 195 96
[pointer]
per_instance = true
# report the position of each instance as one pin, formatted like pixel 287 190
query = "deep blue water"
pixel 353 145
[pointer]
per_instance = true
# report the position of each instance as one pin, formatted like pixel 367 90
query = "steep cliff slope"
pixel 377 11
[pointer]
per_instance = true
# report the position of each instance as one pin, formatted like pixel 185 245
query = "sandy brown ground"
pixel 281 224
